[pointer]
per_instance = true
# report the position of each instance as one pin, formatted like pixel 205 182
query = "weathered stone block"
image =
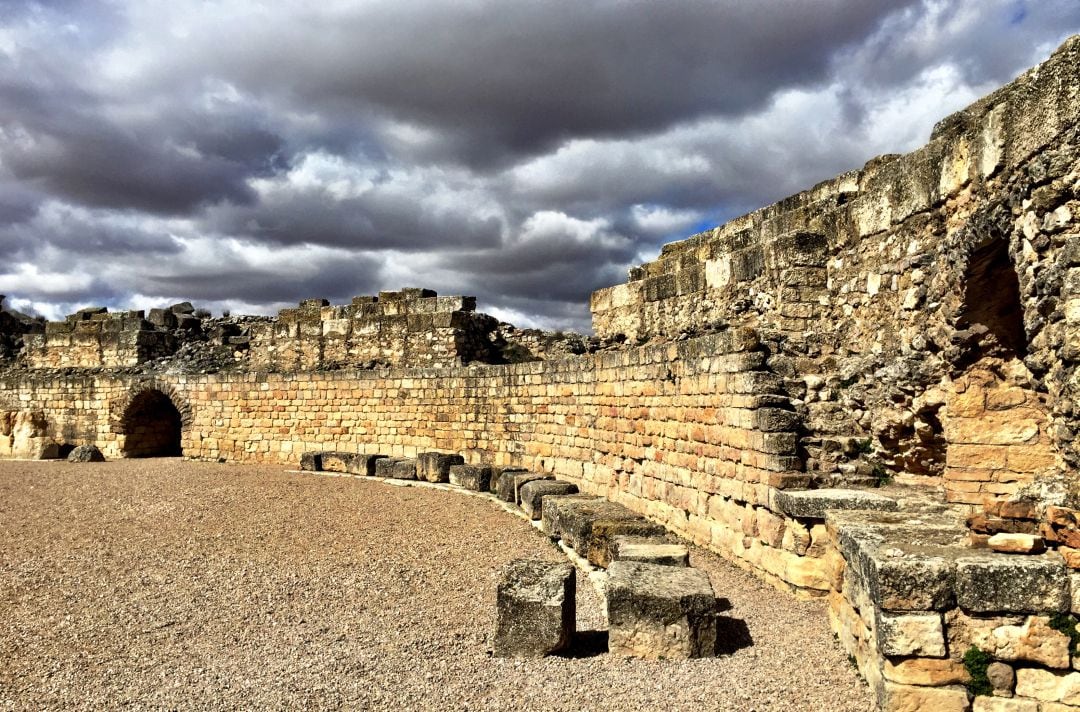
pixel 384 467
pixel 311 461
pixel 604 530
pixel 435 466
pixel 523 478
pixel 337 461
pixel 660 612
pixel 533 494
pixel 504 489
pixel 649 550
pixel 559 508
pixel 1048 686
pixel 812 504
pixel 911 698
pixel 471 477
pixel 999 583
pixel 1001 704
pixel 1017 543
pixel 86 453
pixel 404 470
pixel 364 465
pixel 535 609
pixel 919 634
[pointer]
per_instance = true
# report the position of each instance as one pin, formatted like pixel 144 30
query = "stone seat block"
pixel 364 465
pixel 534 492
pixel 471 477
pixel 504 484
pixel 535 612
pixel 660 612
pixel 558 508
pixel 571 518
pixel 311 461
pixel 435 466
pixel 605 529
pixel 337 461
pixel 812 504
pixel 649 550
pixel 523 478
pixel 404 469
pixel 1002 583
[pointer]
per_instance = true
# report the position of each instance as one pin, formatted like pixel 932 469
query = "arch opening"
pixel 151 426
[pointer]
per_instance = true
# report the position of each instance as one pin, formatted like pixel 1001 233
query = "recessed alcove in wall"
pixel 151 426
pixel 992 300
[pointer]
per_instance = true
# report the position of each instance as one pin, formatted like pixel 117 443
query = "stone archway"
pixel 150 424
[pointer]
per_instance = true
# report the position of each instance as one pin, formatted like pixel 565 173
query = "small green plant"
pixel 864 447
pixel 976 662
pixel 1066 623
pixel 881 476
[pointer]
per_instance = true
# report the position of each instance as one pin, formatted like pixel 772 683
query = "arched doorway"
pixel 151 426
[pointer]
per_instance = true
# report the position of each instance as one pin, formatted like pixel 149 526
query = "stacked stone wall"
pixel 98 340
pixel 879 289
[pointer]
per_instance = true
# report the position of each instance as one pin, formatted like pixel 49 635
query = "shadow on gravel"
pixel 732 635
pixel 586 644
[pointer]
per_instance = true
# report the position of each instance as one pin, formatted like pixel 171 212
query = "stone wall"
pixel 95 338
pixel 697 435
pixel 408 327
pixel 879 289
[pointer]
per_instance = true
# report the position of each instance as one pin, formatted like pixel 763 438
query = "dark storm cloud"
pixel 520 77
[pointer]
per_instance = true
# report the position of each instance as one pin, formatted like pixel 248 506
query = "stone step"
pixel 535 492
pixel 812 504
pixel 649 550
pixel 588 524
pixel 660 612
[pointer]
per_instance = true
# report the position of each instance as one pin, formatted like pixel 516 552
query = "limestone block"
pixel 649 550
pixel 910 698
pixel 1000 583
pixel 911 634
pixel 934 672
pixel 86 453
pixel 435 466
pixel 1002 704
pixel 535 608
pixel 1048 686
pixel 336 461
pixel 1017 543
pixel 533 494
pixel 910 582
pixel 311 461
pixel 504 488
pixel 660 612
pixel 1033 641
pixel 522 478
pixel 364 465
pixel 570 518
pixel 385 466
pixel 605 529
pixel 471 477
pixel 812 504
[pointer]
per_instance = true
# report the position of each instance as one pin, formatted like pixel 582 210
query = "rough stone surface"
pixel 435 466
pixel 660 612
pixel 909 698
pixel 559 508
pixel 86 453
pixel 471 477
pixel 1002 678
pixel 1000 704
pixel 604 530
pixel 1048 686
pixel 535 614
pixel 812 504
pixel 649 550
pixel 533 494
pixel 523 478
pixel 1003 583
pixel 364 465
pixel 337 461
pixel 311 461
pixel 1017 543
pixel 919 634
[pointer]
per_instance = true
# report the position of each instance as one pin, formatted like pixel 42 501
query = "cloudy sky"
pixel 247 154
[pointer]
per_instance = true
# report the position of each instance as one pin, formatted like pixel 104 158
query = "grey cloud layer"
pixel 526 152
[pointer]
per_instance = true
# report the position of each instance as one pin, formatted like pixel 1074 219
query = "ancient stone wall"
pixel 96 338
pixel 408 327
pixel 697 435
pixel 878 290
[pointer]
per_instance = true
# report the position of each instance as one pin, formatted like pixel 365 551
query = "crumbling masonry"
pixel 866 393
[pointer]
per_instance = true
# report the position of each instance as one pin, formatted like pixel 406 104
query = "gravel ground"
pixel 172 584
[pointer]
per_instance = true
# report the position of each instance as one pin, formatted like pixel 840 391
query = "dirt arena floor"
pixel 166 584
